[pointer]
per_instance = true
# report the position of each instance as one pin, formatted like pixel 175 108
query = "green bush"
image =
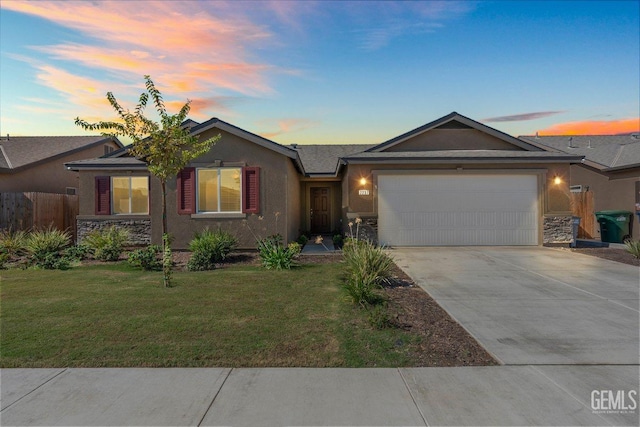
pixel 146 258
pixel 367 267
pixel 45 248
pixel 4 258
pixel 77 252
pixel 107 244
pixel 209 248
pixel 338 240
pixel 633 247
pixel 276 256
pixel 378 316
pixel 12 242
pixel 302 240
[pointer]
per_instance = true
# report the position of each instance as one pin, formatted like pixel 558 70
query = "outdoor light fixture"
pixel 363 181
pixel 557 180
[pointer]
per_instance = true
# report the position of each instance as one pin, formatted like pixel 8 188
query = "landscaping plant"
pixel 107 244
pixel 45 247
pixel 146 258
pixel 209 248
pixel 276 256
pixel 12 242
pixel 633 247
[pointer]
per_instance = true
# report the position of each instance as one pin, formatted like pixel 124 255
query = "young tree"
pixel 166 147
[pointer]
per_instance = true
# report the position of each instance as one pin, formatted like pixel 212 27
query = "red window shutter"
pixel 103 195
pixel 187 191
pixel 251 190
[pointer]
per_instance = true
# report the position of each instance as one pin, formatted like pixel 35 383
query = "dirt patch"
pixel 612 254
pixel 443 341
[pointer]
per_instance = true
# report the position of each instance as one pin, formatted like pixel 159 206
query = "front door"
pixel 320 210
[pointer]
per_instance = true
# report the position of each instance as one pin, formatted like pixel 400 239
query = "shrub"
pixel 12 242
pixel 274 255
pixel 77 252
pixel 633 247
pixel 146 258
pixel 366 267
pixel 107 244
pixel 209 248
pixel 4 258
pixel 337 240
pixel 302 240
pixel 45 248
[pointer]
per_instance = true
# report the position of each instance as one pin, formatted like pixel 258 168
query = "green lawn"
pixel 112 315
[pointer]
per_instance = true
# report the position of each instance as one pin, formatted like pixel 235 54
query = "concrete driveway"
pixel 534 305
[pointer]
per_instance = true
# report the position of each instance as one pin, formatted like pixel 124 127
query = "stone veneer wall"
pixel 139 229
pixel 557 230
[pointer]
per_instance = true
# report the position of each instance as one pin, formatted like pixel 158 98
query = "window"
pixel 234 190
pixel 218 190
pixel 118 195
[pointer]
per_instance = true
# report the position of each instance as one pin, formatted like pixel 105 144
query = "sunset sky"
pixel 326 72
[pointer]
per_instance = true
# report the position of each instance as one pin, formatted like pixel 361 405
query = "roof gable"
pixel 454 132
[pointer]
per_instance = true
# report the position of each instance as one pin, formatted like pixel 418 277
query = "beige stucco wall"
pixel 453 139
pixel 610 192
pixel 279 196
pixel 51 176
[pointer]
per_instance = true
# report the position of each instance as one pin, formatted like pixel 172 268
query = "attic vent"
pixel 570 141
pixel 108 149
pixel 575 188
pixel 71 191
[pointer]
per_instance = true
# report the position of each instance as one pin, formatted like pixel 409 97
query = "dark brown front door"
pixel 320 210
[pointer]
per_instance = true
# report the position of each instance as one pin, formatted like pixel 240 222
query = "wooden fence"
pixel 582 206
pixel 25 211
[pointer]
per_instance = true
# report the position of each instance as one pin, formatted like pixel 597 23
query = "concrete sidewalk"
pixel 499 395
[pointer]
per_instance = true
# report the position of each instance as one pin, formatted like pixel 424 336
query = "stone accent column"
pixel 139 229
pixel 558 230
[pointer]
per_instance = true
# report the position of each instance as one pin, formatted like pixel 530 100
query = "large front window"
pixel 130 194
pixel 219 189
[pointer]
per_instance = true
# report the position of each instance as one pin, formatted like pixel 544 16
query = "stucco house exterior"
pixel 36 163
pixel 610 170
pixel 453 181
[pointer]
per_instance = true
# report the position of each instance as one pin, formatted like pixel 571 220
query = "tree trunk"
pixel 165 242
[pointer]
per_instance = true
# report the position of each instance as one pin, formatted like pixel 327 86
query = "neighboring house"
pixel 453 181
pixel 36 163
pixel 610 170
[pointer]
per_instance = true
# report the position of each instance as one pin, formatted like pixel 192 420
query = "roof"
pixel 460 120
pixel 325 159
pixel 463 156
pixel 107 162
pixel 18 152
pixel 604 152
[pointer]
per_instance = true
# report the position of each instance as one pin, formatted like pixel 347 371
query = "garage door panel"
pixel 458 210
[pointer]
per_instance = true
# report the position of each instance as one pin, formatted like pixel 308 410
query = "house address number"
pixel 363 192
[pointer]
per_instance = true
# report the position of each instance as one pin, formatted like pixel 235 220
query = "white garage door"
pixel 442 210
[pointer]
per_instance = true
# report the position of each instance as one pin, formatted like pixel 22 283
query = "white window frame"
pixel 130 195
pixel 198 211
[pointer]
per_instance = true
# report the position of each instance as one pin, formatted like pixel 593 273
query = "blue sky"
pixel 326 72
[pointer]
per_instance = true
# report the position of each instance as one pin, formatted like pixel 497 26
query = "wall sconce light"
pixel 363 181
pixel 557 180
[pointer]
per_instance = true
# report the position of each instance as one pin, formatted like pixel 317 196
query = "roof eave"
pixel 458 160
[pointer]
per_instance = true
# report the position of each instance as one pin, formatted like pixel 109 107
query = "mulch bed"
pixel 612 254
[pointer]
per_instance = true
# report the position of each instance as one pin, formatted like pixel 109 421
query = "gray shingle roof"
pixel 22 151
pixel 325 159
pixel 107 163
pixel 608 151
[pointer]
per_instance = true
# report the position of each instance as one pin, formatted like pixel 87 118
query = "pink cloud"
pixel 594 127
pixel 189 51
pixel 289 125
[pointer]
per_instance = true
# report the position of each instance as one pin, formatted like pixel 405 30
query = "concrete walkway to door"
pixel 534 305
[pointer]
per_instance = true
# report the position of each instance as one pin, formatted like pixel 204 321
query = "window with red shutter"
pixel 251 190
pixel 186 191
pixel 103 195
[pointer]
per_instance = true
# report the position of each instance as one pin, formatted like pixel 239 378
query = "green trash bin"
pixel 614 225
